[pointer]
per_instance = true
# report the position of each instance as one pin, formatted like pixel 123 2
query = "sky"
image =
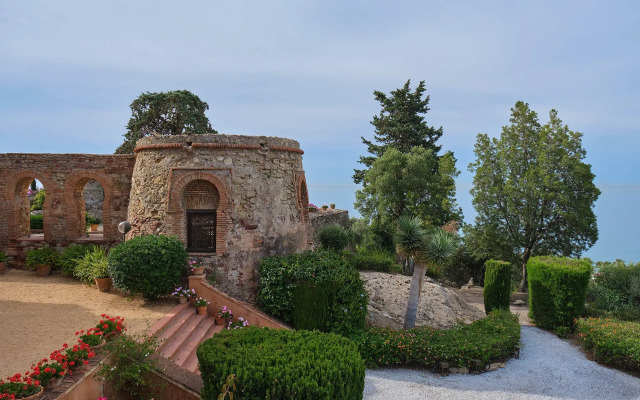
pixel 306 70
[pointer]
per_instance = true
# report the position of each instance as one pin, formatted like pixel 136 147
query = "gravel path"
pixel 548 368
pixel 38 315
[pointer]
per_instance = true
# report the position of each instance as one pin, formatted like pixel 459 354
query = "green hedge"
pixel 151 265
pixel 311 306
pixel 373 261
pixel 279 276
pixel 36 222
pixel 493 337
pixel 613 342
pixel 281 364
pixel 557 290
pixel 615 291
pixel 333 237
pixel 497 285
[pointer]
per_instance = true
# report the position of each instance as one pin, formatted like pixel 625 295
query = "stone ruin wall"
pixel 63 177
pixel 263 198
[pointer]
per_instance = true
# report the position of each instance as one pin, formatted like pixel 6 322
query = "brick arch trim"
pixel 175 197
pixel 302 201
pixel 10 194
pixel 223 213
pixel 75 223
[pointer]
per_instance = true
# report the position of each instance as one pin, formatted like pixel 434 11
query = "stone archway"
pixel 178 211
pixel 18 204
pixel 75 205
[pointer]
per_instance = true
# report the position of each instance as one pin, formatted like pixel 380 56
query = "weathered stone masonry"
pixel 250 190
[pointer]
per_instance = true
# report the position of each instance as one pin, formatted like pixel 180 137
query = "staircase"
pixel 180 332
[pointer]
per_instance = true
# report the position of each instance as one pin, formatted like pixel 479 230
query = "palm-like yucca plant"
pixel 426 249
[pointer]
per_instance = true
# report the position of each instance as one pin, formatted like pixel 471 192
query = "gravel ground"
pixel 38 315
pixel 548 368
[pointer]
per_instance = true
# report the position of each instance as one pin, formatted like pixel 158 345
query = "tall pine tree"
pixel 401 124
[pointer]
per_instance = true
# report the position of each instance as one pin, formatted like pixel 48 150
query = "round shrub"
pixel 333 237
pixel 557 290
pixel 151 265
pixel 497 285
pixel 70 256
pixel 281 364
pixel 280 275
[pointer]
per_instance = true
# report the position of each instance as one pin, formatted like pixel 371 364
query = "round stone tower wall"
pixel 261 200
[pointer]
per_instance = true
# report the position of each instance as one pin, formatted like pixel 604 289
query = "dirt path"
pixel 475 297
pixel 38 315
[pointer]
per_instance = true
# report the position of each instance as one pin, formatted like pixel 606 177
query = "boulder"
pixel 439 306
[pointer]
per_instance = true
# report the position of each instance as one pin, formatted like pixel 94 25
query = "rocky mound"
pixel 439 307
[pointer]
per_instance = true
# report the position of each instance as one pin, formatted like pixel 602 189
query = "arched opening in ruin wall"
pixel 178 214
pixel 75 206
pixel 20 212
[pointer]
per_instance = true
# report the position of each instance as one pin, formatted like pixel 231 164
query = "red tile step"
pixel 166 319
pixel 174 325
pixel 190 362
pixel 181 337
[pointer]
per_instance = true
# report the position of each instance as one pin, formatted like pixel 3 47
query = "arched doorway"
pixel 201 200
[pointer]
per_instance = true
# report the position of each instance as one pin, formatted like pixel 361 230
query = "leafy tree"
pixel 533 192
pixel 426 249
pixel 416 183
pixel 400 124
pixel 165 113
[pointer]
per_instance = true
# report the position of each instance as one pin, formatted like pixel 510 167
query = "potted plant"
pixel 3 261
pixel 110 326
pixel 49 373
pixel 92 267
pixel 224 314
pixel 93 337
pixel 201 305
pixel 182 294
pixel 313 207
pixel 240 323
pixel 42 260
pixel 195 268
pixel 20 387
pixel 78 354
pixel 324 207
pixel 93 222
pixel 332 205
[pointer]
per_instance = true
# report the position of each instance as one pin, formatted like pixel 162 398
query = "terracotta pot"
pixel 44 270
pixel 201 310
pixel 104 284
pixel 198 271
pixel 98 347
pixel 3 265
pixel 35 396
pixel 220 321
pixel 183 299
pixel 54 383
pixel 93 227
pixel 333 207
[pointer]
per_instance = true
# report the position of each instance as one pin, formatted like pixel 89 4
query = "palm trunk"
pixel 419 271
pixel 525 258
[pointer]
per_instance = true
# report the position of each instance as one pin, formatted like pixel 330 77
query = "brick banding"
pixel 162 146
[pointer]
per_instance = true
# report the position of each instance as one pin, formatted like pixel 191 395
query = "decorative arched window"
pixel 201 200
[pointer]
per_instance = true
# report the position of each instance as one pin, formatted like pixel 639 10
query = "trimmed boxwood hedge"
pixel 493 337
pixel 281 364
pixel 280 275
pixel 497 285
pixel 557 290
pixel 150 265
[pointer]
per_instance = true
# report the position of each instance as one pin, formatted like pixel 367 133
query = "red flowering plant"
pixel 110 326
pixel 79 354
pixel 47 370
pixel 92 336
pixel 19 387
